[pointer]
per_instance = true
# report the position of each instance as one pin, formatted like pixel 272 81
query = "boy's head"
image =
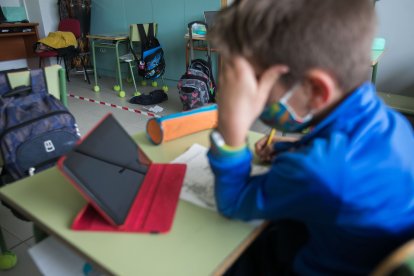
pixel 331 35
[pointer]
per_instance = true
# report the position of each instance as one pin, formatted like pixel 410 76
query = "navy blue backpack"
pixel 35 127
pixel 152 63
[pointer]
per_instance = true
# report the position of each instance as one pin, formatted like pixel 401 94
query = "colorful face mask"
pixel 282 117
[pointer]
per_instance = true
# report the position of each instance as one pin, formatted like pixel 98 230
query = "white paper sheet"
pixel 198 186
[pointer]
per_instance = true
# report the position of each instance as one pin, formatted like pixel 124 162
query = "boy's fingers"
pixel 270 77
pixel 238 66
pixel 261 144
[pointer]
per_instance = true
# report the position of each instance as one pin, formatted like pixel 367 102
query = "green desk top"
pixel 201 242
pixel 111 37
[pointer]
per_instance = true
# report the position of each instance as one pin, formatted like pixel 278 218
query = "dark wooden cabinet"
pixel 17 39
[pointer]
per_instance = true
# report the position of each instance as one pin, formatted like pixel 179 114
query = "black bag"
pixel 152 63
pixel 197 86
pixel 35 128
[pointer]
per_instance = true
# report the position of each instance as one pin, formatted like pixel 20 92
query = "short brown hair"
pixel 334 35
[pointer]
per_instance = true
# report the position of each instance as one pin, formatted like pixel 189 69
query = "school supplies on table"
pixel 125 190
pixel 270 138
pixel 198 187
pixel 176 125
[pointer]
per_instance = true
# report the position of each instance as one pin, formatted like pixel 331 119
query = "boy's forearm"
pixel 234 133
pixel 231 176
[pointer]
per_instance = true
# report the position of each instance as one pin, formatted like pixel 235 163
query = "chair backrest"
pixel 134 33
pixel 55 78
pixel 378 44
pixel 70 25
pixel 399 263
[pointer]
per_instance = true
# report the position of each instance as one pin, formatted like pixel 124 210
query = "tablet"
pixel 107 168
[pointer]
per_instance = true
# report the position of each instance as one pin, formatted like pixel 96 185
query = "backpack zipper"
pixel 189 77
pixel 31 171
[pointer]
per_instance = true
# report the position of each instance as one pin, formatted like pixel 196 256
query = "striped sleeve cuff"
pixel 220 149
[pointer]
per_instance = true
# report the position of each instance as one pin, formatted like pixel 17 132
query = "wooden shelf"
pixel 16 34
pixel 17 44
pixel 14 25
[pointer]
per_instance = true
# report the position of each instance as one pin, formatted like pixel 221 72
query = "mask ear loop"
pixel 288 94
pixel 284 102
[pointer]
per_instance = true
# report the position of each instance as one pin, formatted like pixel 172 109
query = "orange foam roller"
pixel 177 125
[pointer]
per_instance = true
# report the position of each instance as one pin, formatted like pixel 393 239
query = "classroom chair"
pixel 73 26
pixel 129 58
pixel 56 83
pixel 399 263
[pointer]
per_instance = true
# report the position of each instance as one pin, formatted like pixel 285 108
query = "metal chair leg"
pixel 84 70
pixel 132 76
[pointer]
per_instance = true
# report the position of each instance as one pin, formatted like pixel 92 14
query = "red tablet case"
pixel 153 209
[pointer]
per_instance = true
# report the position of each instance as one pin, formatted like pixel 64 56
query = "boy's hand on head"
pixel 242 97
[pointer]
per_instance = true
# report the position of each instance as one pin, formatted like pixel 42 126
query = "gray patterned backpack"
pixel 197 87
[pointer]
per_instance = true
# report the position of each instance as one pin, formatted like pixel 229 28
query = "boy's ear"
pixel 323 87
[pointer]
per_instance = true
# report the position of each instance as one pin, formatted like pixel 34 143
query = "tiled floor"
pixel 19 234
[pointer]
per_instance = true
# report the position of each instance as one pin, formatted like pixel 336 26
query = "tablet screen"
pixel 108 168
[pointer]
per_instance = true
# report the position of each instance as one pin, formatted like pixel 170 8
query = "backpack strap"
pixel 143 37
pixel 38 81
pixel 37 85
pixel 133 53
pixel 4 83
pixel 151 32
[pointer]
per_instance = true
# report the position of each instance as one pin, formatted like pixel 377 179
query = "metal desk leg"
pixel 374 73
pixel 118 71
pixel 7 258
pixel 95 74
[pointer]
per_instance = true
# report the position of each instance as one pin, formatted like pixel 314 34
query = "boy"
pixel 350 180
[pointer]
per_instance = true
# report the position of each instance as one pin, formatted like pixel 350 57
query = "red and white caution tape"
pixel 149 114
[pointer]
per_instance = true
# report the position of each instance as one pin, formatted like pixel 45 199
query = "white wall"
pixel 44 12
pixel 396 68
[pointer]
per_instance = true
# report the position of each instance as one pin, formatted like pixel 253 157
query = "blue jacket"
pixel 350 180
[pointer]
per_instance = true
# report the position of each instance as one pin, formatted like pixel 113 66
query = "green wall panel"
pixel 138 11
pixel 194 8
pixel 172 16
pixel 108 16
